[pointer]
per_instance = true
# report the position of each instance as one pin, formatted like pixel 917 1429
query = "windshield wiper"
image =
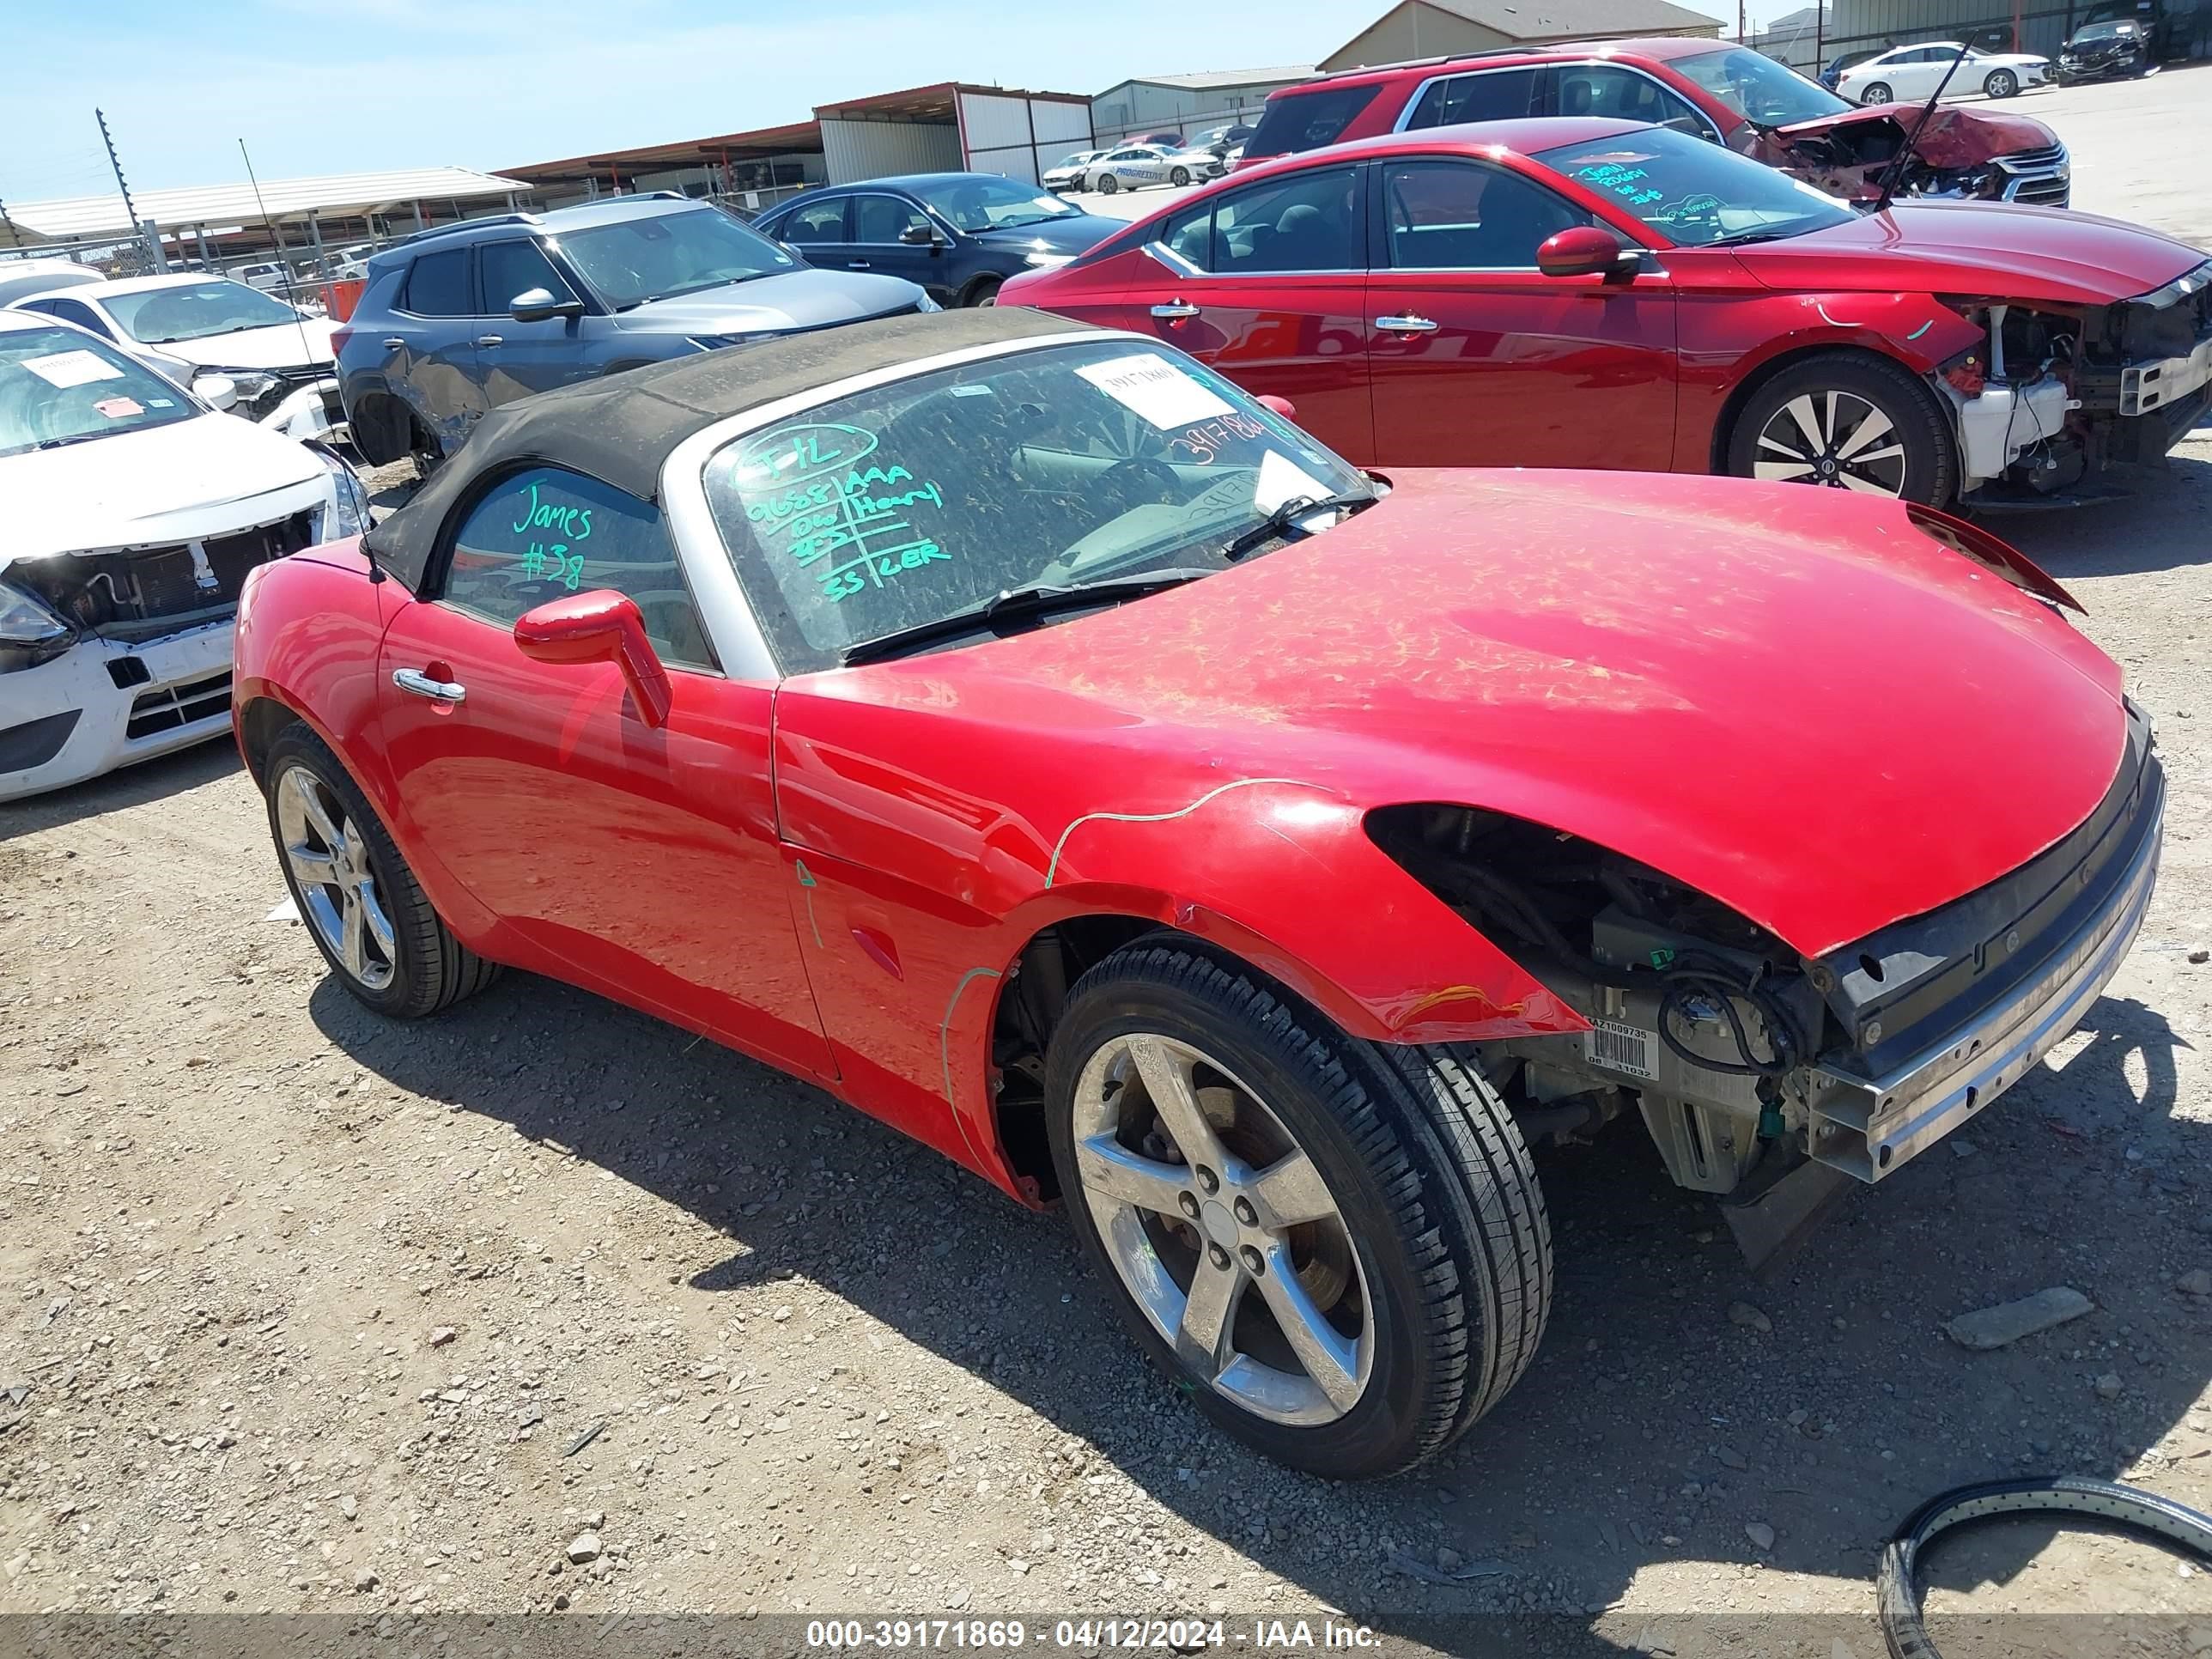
pixel 1019 604
pixel 1744 238
pixel 64 443
pixel 1285 517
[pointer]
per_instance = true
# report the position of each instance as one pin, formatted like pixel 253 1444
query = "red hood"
pixel 1791 699
pixel 1952 138
pixel 2002 249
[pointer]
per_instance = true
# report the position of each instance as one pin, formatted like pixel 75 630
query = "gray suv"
pixel 457 321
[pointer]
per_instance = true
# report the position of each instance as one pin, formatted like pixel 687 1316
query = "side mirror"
pixel 218 391
pixel 1282 406
pixel 534 305
pixel 600 626
pixel 919 236
pixel 1586 251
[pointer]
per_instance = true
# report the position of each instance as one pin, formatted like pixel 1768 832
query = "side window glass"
pixel 83 315
pixel 1307 222
pixel 1498 95
pixel 1461 215
pixel 438 285
pixel 818 221
pixel 881 218
pixel 1623 95
pixel 512 268
pixel 1190 235
pixel 545 532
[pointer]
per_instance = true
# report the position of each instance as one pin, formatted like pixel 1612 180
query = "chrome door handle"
pixel 856 264
pixel 417 684
pixel 1408 324
pixel 394 343
pixel 491 339
pixel 1176 308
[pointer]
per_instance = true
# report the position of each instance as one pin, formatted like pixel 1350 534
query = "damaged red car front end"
pixel 1974 154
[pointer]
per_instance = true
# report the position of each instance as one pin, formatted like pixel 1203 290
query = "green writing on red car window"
pixel 854 533
pixel 1625 182
pixel 547 513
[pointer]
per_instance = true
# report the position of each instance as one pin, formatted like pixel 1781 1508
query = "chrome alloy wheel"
pixel 1223 1230
pixel 329 857
pixel 1834 438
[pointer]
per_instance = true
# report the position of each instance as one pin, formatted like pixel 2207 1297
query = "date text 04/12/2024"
pixel 1261 1637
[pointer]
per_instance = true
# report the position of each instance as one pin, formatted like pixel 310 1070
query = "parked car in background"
pixel 2105 52
pixel 1596 294
pixel 1221 139
pixel 1911 75
pixel 1739 98
pixel 134 511
pixel 280 363
pixel 957 235
pixel 265 274
pixel 1844 60
pixel 1165 140
pixel 1133 167
pixel 456 321
pixel 21 278
pixel 1072 173
pixel 1022 733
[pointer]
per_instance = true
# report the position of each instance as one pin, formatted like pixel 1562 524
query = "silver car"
pixel 1134 166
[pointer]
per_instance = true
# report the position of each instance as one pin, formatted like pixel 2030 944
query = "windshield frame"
pixel 926 192
pixel 564 240
pixel 60 337
pixel 1727 51
pixel 123 309
pixel 726 605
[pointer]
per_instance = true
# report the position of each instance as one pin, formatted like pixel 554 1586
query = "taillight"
pixel 338 339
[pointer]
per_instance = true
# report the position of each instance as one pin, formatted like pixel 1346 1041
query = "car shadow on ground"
pixel 112 792
pixel 2159 526
pixel 1653 1427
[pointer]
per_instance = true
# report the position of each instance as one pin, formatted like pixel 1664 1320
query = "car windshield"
pixel 195 310
pixel 1074 160
pixel 1760 89
pixel 60 386
pixel 2104 32
pixel 978 202
pixel 654 258
pixel 895 507
pixel 1694 193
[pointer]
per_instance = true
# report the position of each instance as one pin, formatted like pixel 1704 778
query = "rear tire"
pixel 1879 93
pixel 984 291
pixel 2001 83
pixel 1397 1281
pixel 1108 183
pixel 1804 426
pixel 357 898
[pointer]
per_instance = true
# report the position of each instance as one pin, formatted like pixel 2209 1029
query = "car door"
pixel 815 229
pixel 429 337
pixel 640 860
pixel 1477 358
pixel 515 359
pixel 1268 284
pixel 1909 74
pixel 878 221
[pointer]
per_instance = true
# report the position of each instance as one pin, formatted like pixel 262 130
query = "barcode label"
pixel 1619 1048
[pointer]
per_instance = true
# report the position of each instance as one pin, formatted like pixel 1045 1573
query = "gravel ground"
pixel 544 1305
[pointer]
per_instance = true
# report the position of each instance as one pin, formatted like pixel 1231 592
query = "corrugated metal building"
pixel 1434 29
pixel 952 128
pixel 1186 103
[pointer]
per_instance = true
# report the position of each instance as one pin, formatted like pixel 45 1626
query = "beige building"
pixel 1435 28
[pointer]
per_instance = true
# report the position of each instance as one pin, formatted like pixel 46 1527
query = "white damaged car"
pixel 130 510
pixel 279 360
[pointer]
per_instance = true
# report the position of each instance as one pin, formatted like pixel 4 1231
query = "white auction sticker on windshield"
pixel 1155 389
pixel 1282 479
pixel 68 368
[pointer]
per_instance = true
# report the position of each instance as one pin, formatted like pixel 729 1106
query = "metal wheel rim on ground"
pixel 1834 438
pixel 329 860
pixel 1264 1243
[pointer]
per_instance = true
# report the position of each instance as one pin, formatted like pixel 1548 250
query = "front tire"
pixel 2001 83
pixel 984 291
pixel 360 901
pixel 1179 176
pixel 1849 421
pixel 1879 93
pixel 1337 1249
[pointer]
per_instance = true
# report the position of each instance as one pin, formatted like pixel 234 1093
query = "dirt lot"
pixel 305 1311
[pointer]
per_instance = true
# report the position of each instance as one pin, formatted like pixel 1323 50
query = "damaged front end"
pixel 1746 1060
pixel 2057 395
pixel 1964 154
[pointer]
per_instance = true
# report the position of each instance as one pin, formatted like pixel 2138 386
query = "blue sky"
pixel 348 86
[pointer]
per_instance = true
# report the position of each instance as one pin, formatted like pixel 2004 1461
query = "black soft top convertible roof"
pixel 620 428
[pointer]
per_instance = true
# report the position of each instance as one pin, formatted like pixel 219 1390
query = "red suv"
pixel 1708 88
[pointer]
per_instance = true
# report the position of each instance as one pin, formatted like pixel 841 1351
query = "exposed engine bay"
pixel 1957 154
pixel 2057 395
pixel 143 592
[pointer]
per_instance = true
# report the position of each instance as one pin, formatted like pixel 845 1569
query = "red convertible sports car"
pixel 1016 730
pixel 1597 293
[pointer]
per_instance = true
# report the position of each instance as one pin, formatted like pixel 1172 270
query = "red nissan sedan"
pixel 1015 729
pixel 1599 294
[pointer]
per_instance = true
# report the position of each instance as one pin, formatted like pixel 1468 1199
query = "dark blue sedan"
pixel 957 235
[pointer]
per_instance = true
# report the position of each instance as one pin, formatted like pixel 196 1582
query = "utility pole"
pixel 129 209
